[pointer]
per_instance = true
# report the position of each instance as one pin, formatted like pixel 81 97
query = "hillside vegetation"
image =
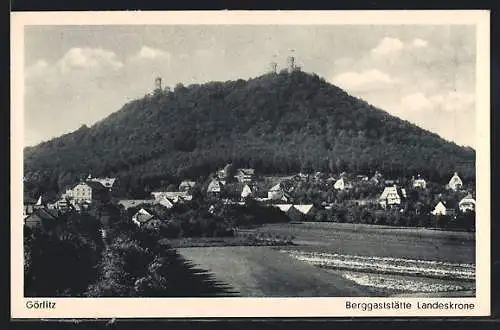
pixel 276 123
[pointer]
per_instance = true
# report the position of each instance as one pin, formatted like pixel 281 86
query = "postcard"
pixel 250 164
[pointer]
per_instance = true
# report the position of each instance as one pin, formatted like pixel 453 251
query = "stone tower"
pixel 290 63
pixel 158 84
pixel 273 66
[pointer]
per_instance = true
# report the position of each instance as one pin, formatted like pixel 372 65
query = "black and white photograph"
pixel 250 160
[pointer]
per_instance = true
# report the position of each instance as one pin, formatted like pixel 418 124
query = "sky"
pixel 77 75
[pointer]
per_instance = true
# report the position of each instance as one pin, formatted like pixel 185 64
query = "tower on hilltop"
pixel 273 67
pixel 290 63
pixel 158 84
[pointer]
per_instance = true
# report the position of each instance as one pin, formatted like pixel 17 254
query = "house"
pixel 455 182
pixel 63 205
pixel 419 183
pixel 283 207
pixel 442 208
pixel 187 186
pixel 89 191
pixel 307 210
pixel 245 174
pixel 146 219
pixel 175 196
pixel 276 192
pixel 129 203
pixel 41 218
pixel 361 178
pixel 376 178
pixel 105 182
pixel 342 184
pixel 392 196
pixel 246 192
pixel 214 188
pixel 166 202
pixel 467 204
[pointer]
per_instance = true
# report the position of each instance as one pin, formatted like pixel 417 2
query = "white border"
pixel 248 307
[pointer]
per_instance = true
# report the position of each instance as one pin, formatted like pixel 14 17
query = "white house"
pixel 455 182
pixel 214 187
pixel 342 184
pixel 439 209
pixel 467 204
pixel 246 192
pixel 391 196
pixel 442 209
pixel 419 183
pixel 89 191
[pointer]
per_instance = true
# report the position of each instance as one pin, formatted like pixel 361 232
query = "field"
pixel 265 272
pixel 380 241
pixel 331 259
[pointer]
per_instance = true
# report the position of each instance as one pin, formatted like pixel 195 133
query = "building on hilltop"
pixel 455 182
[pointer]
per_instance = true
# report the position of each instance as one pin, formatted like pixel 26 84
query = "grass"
pixel 264 272
pixel 379 241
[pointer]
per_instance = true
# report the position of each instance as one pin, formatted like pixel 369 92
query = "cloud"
pixel 89 58
pixel 419 43
pixel 454 101
pixel 416 102
pixel 36 69
pixel 366 80
pixel 451 101
pixel 387 46
pixel 149 53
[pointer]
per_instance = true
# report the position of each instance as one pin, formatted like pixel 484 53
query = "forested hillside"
pixel 275 123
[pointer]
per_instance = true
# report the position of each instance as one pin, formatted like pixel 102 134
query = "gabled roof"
pixel 45 214
pixel 392 190
pixel 467 199
pixel 304 209
pixel 106 182
pixel 276 187
pixel 214 185
pixel 247 171
pixel 171 194
pixel 283 207
pixel 128 203
pixel 143 215
pixel 187 183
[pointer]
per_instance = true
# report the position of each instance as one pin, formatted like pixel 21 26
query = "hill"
pixel 276 123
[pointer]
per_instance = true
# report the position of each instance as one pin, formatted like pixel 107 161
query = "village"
pixel 302 197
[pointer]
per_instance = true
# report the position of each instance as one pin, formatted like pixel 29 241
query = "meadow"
pixel 340 260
